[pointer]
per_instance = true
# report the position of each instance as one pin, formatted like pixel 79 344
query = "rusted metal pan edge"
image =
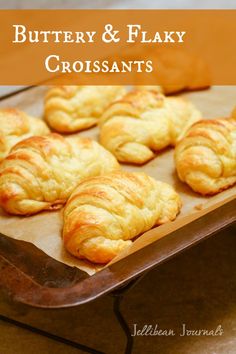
pixel 25 289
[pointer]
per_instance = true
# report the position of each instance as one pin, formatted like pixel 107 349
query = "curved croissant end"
pixel 145 122
pixel 206 157
pixel 40 173
pixel 15 126
pixel 105 213
pixel 234 113
pixel 70 109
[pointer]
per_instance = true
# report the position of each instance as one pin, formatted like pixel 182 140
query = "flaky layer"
pixel 144 122
pixel 104 213
pixel 15 126
pixel 40 173
pixel 206 157
pixel 70 109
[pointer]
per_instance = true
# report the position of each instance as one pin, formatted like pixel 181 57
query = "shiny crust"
pixel 144 122
pixel 40 173
pixel 206 158
pixel 15 126
pixel 69 109
pixel 104 213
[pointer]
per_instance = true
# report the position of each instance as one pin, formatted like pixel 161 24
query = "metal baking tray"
pixel 31 277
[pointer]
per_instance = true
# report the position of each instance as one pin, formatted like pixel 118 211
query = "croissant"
pixel 177 69
pixel 144 122
pixel 40 173
pixel 105 213
pixel 69 109
pixel 156 88
pixel 16 126
pixel 206 157
pixel 234 113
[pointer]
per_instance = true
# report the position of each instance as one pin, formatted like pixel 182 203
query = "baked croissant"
pixel 15 126
pixel 69 109
pixel 234 113
pixel 40 173
pixel 176 69
pixel 104 213
pixel 206 157
pixel 144 122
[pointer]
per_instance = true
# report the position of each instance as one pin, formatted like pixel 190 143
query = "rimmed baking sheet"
pixel 44 229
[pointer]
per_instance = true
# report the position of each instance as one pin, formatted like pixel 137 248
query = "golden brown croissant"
pixel 177 69
pixel 104 213
pixel 40 173
pixel 234 113
pixel 16 126
pixel 206 157
pixel 70 109
pixel 144 122
pixel 155 88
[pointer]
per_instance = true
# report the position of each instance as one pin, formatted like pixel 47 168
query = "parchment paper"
pixel 44 229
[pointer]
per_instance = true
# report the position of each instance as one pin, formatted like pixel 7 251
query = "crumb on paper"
pixel 198 206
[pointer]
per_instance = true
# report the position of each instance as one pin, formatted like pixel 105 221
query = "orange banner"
pixel 191 48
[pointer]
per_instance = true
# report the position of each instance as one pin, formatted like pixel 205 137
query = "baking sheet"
pixel 44 229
